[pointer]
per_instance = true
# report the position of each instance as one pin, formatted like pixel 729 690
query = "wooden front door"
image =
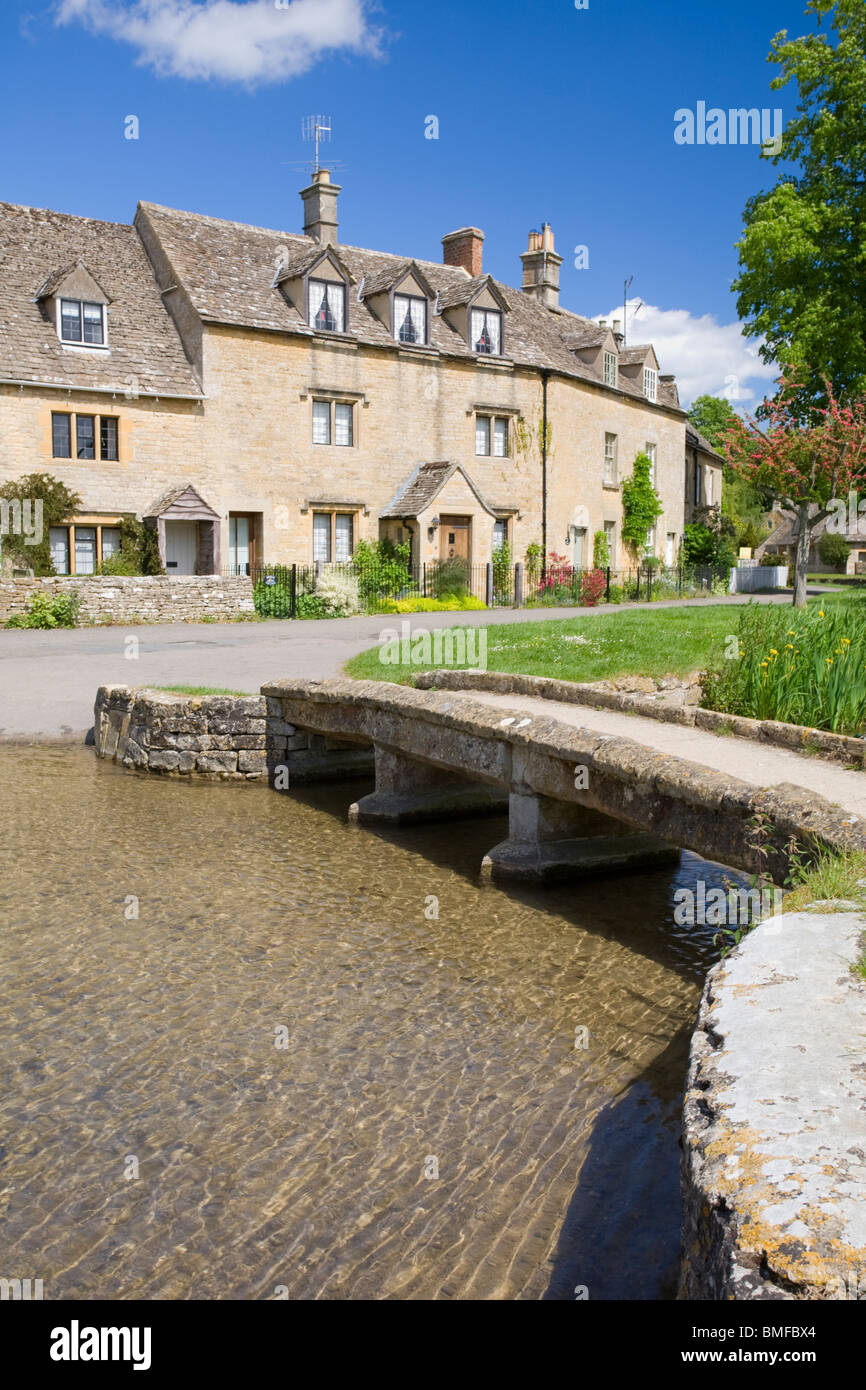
pixel 454 538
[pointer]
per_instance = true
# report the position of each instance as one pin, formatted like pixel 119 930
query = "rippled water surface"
pixel 156 1043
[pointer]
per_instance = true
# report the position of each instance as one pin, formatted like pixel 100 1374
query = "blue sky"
pixel 546 113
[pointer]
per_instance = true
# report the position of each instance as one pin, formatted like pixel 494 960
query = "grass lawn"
pixel 643 642
pixel 199 690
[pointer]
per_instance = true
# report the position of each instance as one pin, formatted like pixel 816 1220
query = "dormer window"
pixel 650 383
pixel 610 369
pixel 486 331
pixel 81 322
pixel 327 306
pixel 410 318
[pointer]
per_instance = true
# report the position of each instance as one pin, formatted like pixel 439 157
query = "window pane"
pixel 85 431
pixel 58 540
pixel 70 320
pixel 610 458
pixel 419 319
pixel 650 383
pixel 486 331
pixel 327 304
pixel 482 434
pixel 610 366
pixel 500 438
pixel 85 549
pixel 500 533
pixel 321 536
pixel 93 323
pixel 343 423
pixel 321 422
pixel 110 541
pixel 344 538
pixel 61 436
pixel 108 437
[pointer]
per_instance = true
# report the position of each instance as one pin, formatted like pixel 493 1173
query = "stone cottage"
pixel 264 396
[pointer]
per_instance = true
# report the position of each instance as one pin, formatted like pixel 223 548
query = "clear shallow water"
pixel 409 1040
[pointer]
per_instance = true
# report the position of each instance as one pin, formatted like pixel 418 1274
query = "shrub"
pixel 592 586
pixel 382 568
pixel 48 611
pixel 641 504
pixel 833 550
pixel 450 577
pixel 274 599
pixel 311 606
pixel 58 504
pixel 767 561
pixel 502 564
pixel 453 604
pixel 339 593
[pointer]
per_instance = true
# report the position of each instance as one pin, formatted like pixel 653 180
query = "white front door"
pixel 180 547
pixel 578 555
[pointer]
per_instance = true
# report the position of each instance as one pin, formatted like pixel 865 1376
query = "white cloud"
pixel 246 41
pixel 705 356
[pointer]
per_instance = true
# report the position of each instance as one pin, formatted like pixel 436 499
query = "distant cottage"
pixel 264 396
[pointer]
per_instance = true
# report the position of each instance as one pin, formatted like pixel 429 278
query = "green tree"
pixel 711 416
pixel 640 504
pixel 834 550
pixel 802 286
pixel 58 504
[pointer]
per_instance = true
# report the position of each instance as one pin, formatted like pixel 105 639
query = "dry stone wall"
pixel 106 599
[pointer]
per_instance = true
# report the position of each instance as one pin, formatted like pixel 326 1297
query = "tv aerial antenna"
pixel 316 131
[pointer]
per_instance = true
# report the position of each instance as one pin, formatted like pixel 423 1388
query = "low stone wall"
pixel 105 599
pixel 672 701
pixel 224 737
pixel 774 1141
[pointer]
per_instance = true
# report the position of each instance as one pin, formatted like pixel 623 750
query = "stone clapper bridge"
pixel 578 802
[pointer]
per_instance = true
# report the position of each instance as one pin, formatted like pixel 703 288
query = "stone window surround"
pixel 79 342
pixel 332 442
pixel 97 417
pixel 610 368
pixel 492 420
pixel 88 522
pixel 333 510
pixel 311 280
pixel 610 475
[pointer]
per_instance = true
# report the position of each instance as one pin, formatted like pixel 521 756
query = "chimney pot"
pixel 464 248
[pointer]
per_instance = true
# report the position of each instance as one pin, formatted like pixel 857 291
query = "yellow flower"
pixel 773 652
pixel 821 614
pixel 789 647
pixel 846 641
pixel 829 660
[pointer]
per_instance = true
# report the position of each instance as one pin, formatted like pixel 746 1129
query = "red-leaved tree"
pixel 808 467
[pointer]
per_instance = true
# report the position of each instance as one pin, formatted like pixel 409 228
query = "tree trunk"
pixel 801 562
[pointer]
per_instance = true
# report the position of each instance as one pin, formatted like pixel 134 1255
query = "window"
pixel 650 383
pixel 486 331
pixel 410 318
pixel 333 536
pixel 58 541
pixel 697 489
pixel 85 430
pixel 651 540
pixel 61 438
pixel 610 460
pixel 610 365
pixel 343 537
pixel 709 487
pixel 343 419
pixel 321 422
pixel 108 438
pixel 327 306
pixel 85 549
pixel 82 323
pixel 85 546
pixel 610 537
pixel 651 450
pixel 85 436
pixel 491 435
pixel 500 533
pixel 334 423
pixel 670 548
pixel 322 536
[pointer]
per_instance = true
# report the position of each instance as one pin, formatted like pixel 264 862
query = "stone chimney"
pixel 616 329
pixel 320 207
pixel 541 267
pixel 464 248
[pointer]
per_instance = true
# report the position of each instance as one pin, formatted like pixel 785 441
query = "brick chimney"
pixel 464 248
pixel 320 207
pixel 541 267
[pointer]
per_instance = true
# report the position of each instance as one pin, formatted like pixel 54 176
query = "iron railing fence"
pixel 345 588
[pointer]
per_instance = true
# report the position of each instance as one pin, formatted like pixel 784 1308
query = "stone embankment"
pixel 774 1132
pixel 106 599
pixel 222 737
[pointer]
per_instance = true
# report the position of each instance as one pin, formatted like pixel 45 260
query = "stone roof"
pixel 38 249
pixel 628 356
pixel 695 440
pixel 423 485
pixel 788 530
pixel 391 275
pixel 227 269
